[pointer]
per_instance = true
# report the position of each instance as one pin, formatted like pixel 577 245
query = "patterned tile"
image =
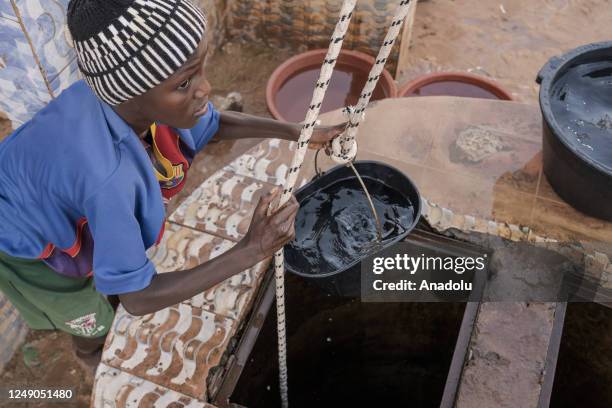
pixel 23 91
pixel 222 205
pixel 117 389
pixel 45 22
pixel 216 155
pixel 6 11
pixel 184 248
pixel 268 161
pixel 176 347
pixel 67 76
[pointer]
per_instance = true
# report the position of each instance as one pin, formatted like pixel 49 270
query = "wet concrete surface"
pixel 473 156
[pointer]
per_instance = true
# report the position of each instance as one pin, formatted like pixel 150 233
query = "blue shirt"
pixel 76 163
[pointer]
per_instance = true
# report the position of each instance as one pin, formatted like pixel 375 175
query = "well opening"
pixel 344 352
pixel 583 375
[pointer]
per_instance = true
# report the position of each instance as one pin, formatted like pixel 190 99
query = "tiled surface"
pixel 37 64
pixel 66 77
pixel 117 389
pixel 222 205
pixel 213 157
pixel 268 161
pixel 23 90
pixel 475 157
pixel 184 248
pixel 45 22
pixel 175 347
pixel 6 10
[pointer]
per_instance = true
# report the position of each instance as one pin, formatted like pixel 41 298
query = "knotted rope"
pixel 346 148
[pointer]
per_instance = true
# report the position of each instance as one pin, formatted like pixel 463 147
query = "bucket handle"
pixel 318 171
pixel 548 68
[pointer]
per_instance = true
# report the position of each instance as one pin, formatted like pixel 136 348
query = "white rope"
pixel 348 146
pixel 344 147
pixel 321 85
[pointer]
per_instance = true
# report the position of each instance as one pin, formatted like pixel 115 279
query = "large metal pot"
pixel 580 176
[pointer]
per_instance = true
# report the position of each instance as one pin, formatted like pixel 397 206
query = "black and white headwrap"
pixel 126 47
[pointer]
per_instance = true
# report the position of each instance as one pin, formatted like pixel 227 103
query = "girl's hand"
pixel 322 135
pixel 270 232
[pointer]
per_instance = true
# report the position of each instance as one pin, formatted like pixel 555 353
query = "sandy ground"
pixel 507 40
pixel 46 360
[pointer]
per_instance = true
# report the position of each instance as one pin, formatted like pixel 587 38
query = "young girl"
pixel 82 184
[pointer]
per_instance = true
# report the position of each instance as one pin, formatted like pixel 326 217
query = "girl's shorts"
pixel 47 300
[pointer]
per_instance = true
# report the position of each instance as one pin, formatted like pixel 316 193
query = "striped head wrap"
pixel 126 47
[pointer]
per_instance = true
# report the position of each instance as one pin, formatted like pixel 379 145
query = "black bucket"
pixel 397 201
pixel 576 101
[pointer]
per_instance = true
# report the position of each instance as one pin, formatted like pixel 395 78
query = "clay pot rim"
pixel 314 58
pixel 456 76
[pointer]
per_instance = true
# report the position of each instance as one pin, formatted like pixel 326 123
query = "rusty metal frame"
pixel 552 355
pixel 459 355
pixel 237 361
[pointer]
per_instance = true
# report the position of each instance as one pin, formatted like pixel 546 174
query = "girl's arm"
pixel 267 234
pixel 237 125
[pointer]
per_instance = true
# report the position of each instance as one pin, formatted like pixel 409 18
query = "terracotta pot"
pixel 463 77
pixel 313 59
